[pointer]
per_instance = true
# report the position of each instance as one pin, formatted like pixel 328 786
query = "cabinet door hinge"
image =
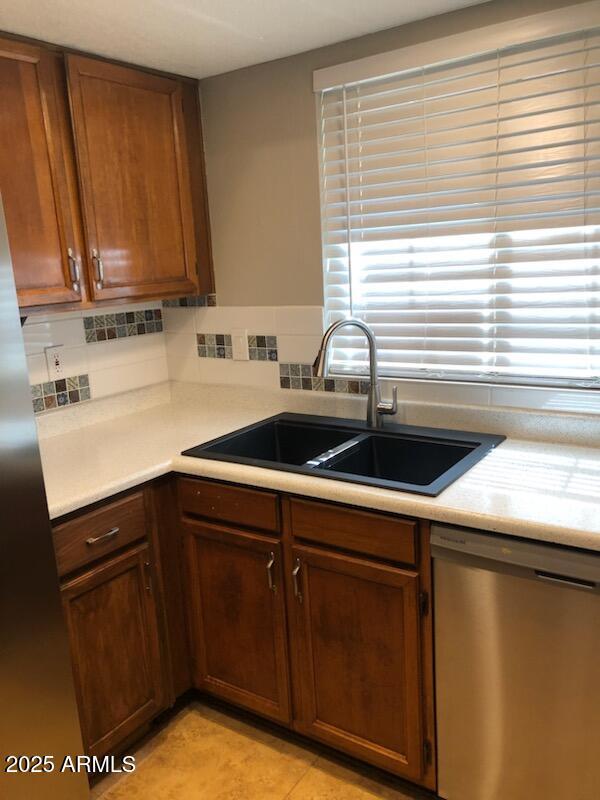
pixel 427 751
pixel 424 603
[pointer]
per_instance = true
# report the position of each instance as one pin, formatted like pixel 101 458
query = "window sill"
pixel 530 398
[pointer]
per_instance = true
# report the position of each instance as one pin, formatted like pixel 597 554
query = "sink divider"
pixel 325 458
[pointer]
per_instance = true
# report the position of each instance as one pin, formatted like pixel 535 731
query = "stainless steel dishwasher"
pixel 517 650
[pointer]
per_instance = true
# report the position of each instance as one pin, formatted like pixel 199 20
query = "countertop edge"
pixel 358 495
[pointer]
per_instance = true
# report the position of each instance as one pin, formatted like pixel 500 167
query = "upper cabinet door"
pixel 132 154
pixel 33 177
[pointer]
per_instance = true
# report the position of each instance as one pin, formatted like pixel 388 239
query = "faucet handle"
pixel 386 407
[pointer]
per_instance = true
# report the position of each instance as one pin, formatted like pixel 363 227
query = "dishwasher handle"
pixel 578 569
pixel 563 580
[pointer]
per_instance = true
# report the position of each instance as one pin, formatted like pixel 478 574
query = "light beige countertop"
pixel 532 489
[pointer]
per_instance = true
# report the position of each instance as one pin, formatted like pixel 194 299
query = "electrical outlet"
pixel 54 361
pixel 239 344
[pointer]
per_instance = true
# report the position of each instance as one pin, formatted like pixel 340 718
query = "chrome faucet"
pixel 376 408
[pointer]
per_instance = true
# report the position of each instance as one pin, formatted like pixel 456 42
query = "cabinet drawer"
pixel 99 532
pixel 360 531
pixel 233 504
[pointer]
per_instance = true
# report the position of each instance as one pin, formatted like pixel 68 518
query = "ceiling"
pixel 206 37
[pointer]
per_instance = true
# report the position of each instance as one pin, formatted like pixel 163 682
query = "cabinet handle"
pixel 108 535
pixel 148 574
pixel 295 574
pixel 270 565
pixel 73 269
pixel 99 266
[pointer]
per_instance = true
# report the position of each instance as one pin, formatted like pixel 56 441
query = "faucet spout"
pixel 375 407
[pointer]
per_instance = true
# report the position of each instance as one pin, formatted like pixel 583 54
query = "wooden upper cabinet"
pixel 34 181
pixel 131 144
pixel 358 658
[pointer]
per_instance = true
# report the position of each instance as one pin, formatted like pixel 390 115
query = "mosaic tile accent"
pixel 218 345
pixel 63 392
pixel 262 348
pixel 192 300
pixel 300 376
pixel 214 345
pixel 102 327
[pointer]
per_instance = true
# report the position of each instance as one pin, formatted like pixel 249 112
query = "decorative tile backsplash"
pixel 262 348
pixel 63 392
pixel 214 345
pixel 194 300
pixel 218 345
pixel 103 327
pixel 300 376
pixel 118 348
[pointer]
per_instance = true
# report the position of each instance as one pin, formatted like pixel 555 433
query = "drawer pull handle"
pixel 270 565
pixel 108 535
pixel 295 574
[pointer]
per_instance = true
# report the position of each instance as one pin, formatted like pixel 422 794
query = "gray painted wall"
pixel 261 158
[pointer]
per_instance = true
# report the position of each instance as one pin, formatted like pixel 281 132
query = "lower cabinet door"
pixel 112 620
pixel 356 628
pixel 237 618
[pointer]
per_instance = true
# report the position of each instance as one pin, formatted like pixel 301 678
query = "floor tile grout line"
pixel 301 778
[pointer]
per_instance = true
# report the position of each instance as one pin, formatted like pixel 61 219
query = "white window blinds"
pixel 461 216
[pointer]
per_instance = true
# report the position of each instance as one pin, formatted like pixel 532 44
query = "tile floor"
pixel 204 754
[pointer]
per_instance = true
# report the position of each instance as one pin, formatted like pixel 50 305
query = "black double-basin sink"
pixel 403 457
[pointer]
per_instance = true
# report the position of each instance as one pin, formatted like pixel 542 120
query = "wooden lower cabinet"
pixel 112 620
pixel 334 642
pixel 237 617
pixel 357 635
pixel 345 614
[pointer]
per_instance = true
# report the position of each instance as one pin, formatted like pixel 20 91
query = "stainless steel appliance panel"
pixel 517 641
pixel 38 711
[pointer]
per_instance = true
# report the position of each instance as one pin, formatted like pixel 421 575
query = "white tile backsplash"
pixel 120 365
pixel 124 377
pixel 553 400
pixel 114 366
pixel 298 349
pixel 39 335
pixel 463 394
pixel 74 360
pixel 245 373
pixel 298 331
pixel 179 320
pixel 222 319
pixel 130 350
pixel 182 356
pixel 37 368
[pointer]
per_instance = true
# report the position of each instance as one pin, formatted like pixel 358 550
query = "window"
pixel 461 215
